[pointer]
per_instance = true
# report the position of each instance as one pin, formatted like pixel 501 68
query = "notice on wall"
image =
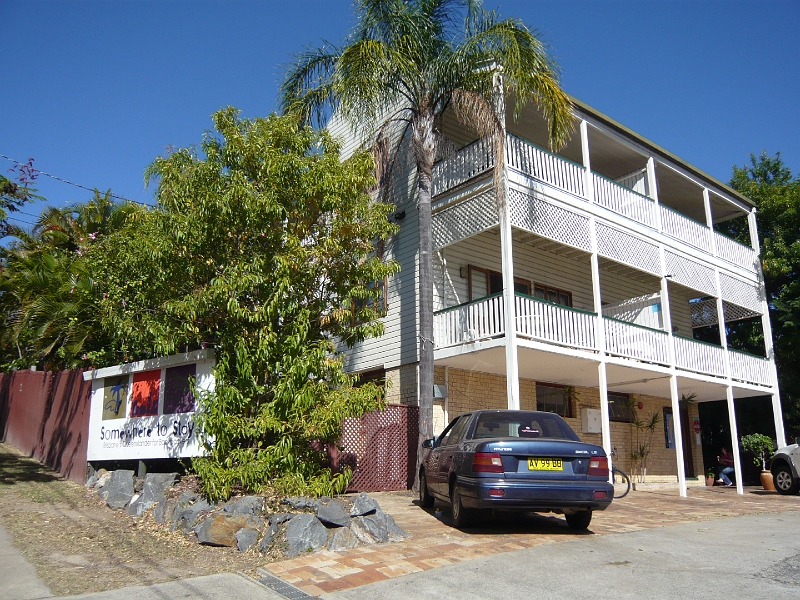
pixel 147 409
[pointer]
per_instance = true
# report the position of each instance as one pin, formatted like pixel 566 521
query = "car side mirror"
pixel 429 443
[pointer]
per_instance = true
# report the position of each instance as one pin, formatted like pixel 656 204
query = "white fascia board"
pixel 150 364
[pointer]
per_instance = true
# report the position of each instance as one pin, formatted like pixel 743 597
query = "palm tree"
pixel 406 62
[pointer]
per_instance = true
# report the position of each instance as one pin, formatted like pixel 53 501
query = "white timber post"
pixel 506 240
pixel 587 163
pixel 737 459
pixel 777 412
pixel 673 378
pixel 652 188
pixel 709 221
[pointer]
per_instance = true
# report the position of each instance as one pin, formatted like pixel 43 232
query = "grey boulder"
pixel 333 513
pixel 363 505
pixel 245 538
pixel 119 489
pixel 220 530
pixel 343 539
pixel 246 505
pixel 303 533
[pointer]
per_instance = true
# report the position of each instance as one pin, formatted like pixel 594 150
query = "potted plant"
pixel 761 447
pixel 711 475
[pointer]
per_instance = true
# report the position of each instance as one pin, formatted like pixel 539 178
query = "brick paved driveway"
pixel 435 543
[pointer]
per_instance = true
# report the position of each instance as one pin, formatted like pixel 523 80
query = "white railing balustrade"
pixel 558 172
pixel 480 319
pixel 635 341
pixel 623 201
pixel 470 161
pixel 699 357
pixel 685 229
pixel 749 368
pixel 553 323
pixel 735 253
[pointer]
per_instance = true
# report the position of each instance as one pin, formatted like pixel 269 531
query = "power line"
pixel 78 185
pixel 20 220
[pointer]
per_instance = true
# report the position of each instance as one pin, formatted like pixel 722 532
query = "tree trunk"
pixel 425 151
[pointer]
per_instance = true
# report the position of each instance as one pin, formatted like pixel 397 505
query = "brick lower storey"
pixel 473 390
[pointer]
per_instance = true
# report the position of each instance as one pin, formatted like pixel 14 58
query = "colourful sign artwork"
pixel 144 400
pixel 178 396
pixel 115 397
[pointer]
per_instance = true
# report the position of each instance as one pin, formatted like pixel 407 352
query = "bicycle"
pixel 623 479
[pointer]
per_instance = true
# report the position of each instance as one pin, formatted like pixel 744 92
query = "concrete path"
pixel 18 580
pixel 226 586
pixel 754 557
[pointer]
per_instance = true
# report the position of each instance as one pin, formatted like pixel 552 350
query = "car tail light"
pixel 487 462
pixel 497 492
pixel 600 495
pixel 598 466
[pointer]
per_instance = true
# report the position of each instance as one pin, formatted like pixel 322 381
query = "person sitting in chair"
pixel 726 460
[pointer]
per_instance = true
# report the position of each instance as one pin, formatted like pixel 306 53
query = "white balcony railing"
pixel 749 368
pixel 623 201
pixel 479 319
pixel 699 357
pixel 685 229
pixel 558 172
pixel 469 162
pixel 636 341
pixel 554 323
pixel 734 252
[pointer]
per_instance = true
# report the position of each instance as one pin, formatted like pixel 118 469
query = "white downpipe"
pixel 652 188
pixel 588 185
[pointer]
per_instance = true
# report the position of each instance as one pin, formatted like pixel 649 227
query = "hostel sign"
pixel 147 409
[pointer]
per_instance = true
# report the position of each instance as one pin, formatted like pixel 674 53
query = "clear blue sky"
pixel 94 91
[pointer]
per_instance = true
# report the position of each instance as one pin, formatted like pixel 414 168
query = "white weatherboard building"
pixel 611 245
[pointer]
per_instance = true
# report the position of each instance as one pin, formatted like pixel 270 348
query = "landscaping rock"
pixel 186 518
pixel 152 492
pixel 300 502
pixel 343 539
pixel 246 505
pixel 91 481
pixel 333 513
pixel 219 530
pixel 363 505
pixel 245 538
pixel 396 533
pixel 119 489
pixel 102 479
pixel 165 510
pixel 305 532
pixel 370 529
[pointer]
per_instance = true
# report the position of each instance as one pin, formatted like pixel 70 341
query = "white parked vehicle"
pixel 785 469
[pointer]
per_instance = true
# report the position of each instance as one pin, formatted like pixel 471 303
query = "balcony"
pixel 476 160
pixel 541 321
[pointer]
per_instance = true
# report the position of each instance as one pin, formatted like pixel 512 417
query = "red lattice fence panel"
pixel 381 448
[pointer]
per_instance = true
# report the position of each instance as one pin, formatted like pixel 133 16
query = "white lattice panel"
pixel 690 273
pixel 548 220
pixel 740 292
pixel 704 312
pixel 627 249
pixel 737 253
pixel 464 219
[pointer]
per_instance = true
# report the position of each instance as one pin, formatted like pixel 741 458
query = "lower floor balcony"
pixel 468 331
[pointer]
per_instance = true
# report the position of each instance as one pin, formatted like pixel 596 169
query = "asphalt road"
pixel 742 557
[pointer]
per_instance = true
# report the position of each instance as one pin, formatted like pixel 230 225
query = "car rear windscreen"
pixel 523 425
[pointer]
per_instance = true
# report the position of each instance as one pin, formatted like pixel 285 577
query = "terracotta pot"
pixel 710 481
pixel 766 481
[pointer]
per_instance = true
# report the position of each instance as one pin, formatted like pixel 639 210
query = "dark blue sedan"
pixel 514 460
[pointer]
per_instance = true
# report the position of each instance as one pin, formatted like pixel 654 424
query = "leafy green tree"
pixel 406 62
pixel 260 247
pixel 47 291
pixel 776 193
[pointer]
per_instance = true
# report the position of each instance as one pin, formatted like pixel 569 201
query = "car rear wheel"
pixel 462 517
pixel 785 482
pixel 425 498
pixel 579 520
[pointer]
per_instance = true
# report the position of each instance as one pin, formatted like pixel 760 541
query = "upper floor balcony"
pixel 576 330
pixel 623 197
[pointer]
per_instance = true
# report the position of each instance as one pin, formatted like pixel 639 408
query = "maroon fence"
pixel 46 416
pixel 381 448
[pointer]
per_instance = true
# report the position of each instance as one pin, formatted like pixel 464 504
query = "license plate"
pixel 545 464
